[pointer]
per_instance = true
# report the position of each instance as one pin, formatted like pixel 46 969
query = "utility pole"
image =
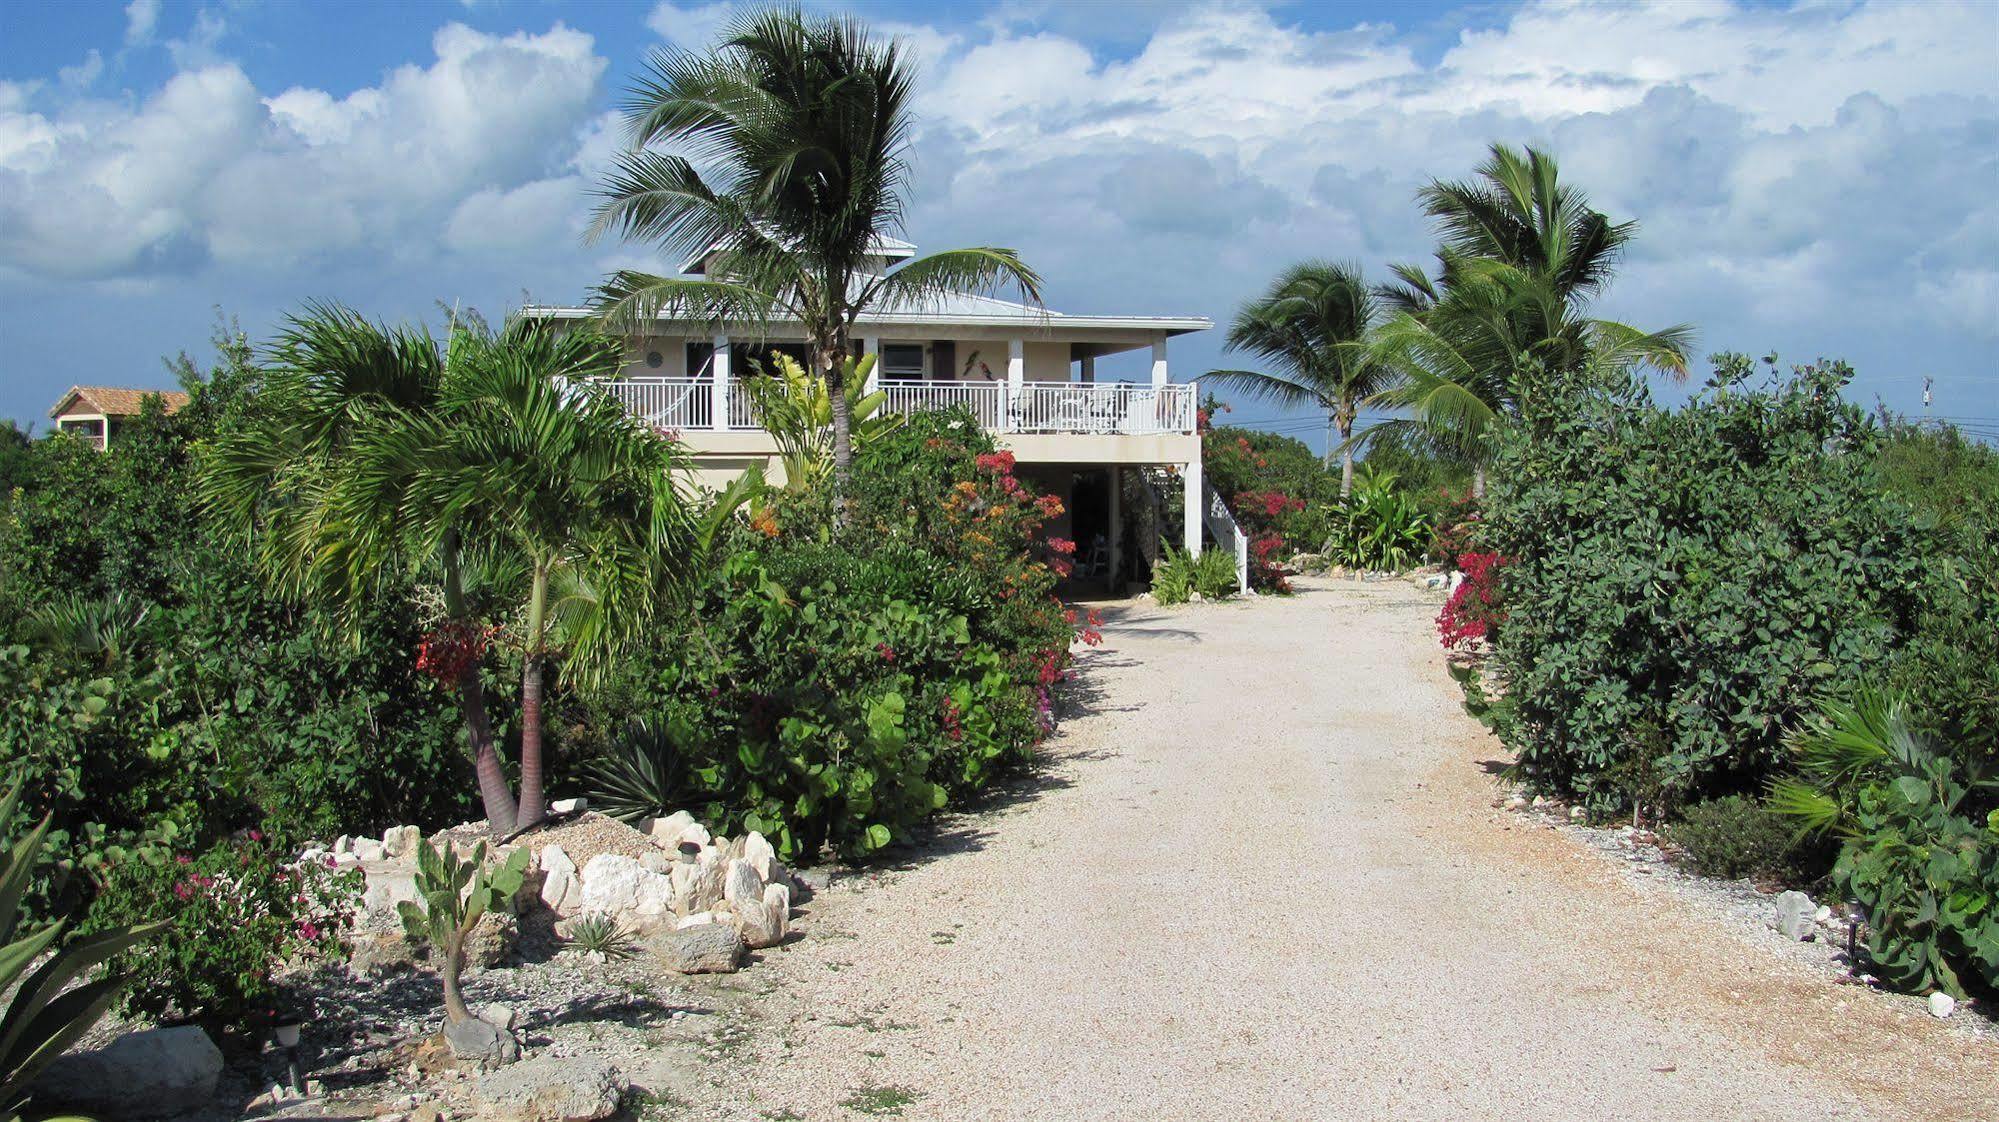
pixel 1927 383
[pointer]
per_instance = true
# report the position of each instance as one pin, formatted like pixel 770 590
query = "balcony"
pixel 1053 408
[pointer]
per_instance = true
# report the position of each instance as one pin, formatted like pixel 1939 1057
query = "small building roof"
pixel 114 401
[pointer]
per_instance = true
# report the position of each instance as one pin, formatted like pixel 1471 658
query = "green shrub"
pixel 1702 573
pixel 1379 526
pixel 835 687
pixel 1172 577
pixel 1215 574
pixel 1923 869
pixel 1949 669
pixel 233 915
pixel 154 694
pixel 45 1013
pixel 1735 836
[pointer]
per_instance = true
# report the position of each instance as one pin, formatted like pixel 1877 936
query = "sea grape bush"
pixel 1681 584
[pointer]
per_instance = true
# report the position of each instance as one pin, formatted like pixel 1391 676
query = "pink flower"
pixel 256 835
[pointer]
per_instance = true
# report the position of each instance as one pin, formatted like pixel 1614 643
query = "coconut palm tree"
pixel 1310 327
pixel 787 163
pixel 1523 255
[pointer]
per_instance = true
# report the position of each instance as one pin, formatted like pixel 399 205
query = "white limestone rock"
pixel 1942 1005
pixel 665 832
pixel 741 882
pixel 152 1072
pixel 619 886
pixel 569 806
pixel 756 924
pixel 695 920
pixel 401 841
pixel 368 849
pixel 561 890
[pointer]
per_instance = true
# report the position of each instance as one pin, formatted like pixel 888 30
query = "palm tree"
pixel 553 478
pixel 1310 327
pixel 373 452
pixel 802 122
pixel 1523 255
pixel 335 378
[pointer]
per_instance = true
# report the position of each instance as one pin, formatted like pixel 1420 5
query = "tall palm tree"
pixel 333 378
pixel 800 126
pixel 1310 327
pixel 1522 257
pixel 545 472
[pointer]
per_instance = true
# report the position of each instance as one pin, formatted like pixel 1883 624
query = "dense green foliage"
pixel 1681 584
pixel 835 687
pixel 1922 863
pixel 154 694
pixel 1949 670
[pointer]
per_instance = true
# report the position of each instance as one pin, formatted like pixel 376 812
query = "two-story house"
pixel 1026 373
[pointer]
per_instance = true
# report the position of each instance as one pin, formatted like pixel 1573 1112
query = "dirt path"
pixel 1262 880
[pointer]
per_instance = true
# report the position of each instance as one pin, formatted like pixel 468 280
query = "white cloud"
pixel 209 168
pixel 691 27
pixel 1817 163
pixel 84 74
pixel 141 17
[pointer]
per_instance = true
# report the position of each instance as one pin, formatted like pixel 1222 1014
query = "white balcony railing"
pixel 1101 408
pixel 667 403
pixel 1109 408
pixel 985 400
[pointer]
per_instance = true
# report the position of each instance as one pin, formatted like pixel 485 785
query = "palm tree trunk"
pixel 493 790
pixel 835 367
pixel 1478 482
pixel 1346 457
pixel 531 674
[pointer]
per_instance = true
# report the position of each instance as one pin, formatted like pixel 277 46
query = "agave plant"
pixel 46 1014
pixel 642 775
pixel 601 935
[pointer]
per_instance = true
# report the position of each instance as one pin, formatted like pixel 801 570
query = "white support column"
pixel 1016 375
pixel 872 345
pixel 1159 362
pixel 1089 368
pixel 718 401
pixel 1113 541
pixel 1190 485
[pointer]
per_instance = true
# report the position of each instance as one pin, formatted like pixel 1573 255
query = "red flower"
pixel 1000 462
pixel 1062 545
pixel 887 652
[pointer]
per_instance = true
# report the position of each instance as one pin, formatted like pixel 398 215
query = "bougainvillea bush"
pixel 235 912
pixel 842 683
pixel 1682 585
pixel 1474 610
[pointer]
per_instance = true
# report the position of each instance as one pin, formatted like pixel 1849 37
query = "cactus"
pixel 456 893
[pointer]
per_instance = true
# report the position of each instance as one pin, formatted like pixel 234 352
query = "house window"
pixel 902 360
pixel 91 429
pixel 699 356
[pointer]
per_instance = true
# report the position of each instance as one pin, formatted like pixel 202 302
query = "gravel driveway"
pixel 1261 878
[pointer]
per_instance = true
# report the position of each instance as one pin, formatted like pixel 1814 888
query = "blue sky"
pixel 1813 179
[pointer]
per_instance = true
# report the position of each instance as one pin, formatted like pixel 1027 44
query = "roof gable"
pixel 114 401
